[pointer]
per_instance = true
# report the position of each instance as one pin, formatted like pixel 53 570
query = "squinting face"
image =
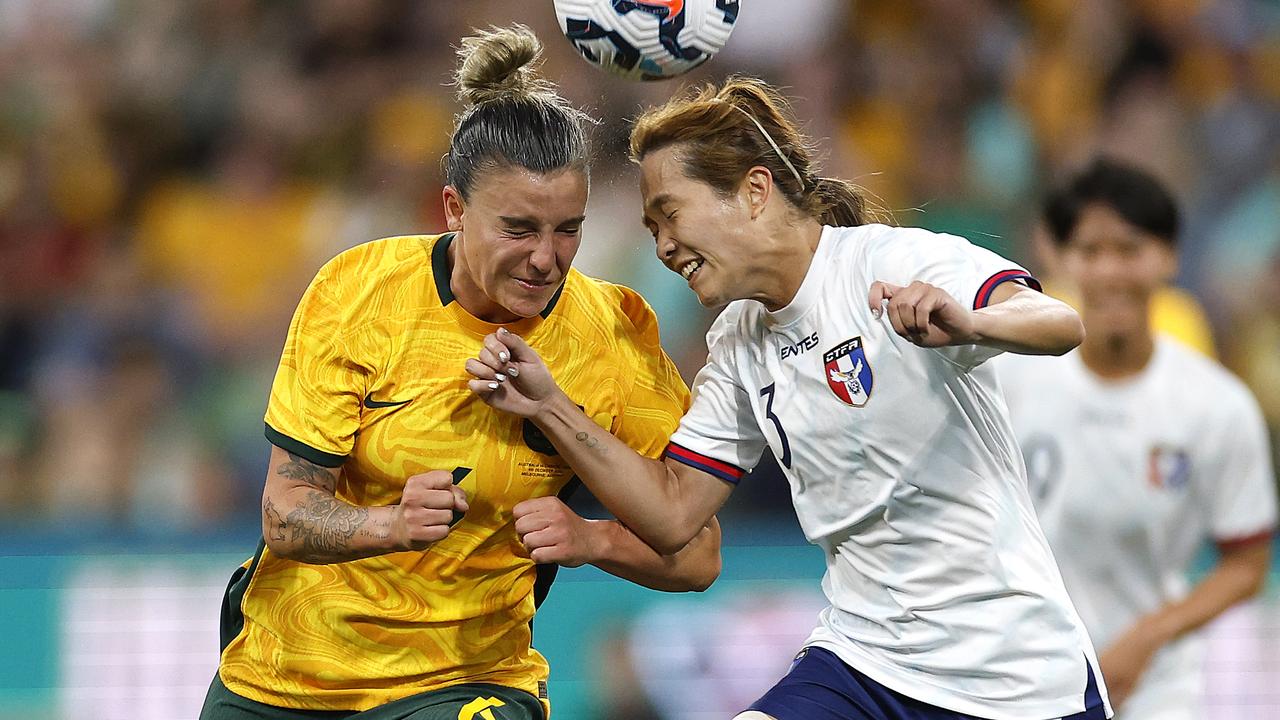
pixel 1115 266
pixel 700 234
pixel 518 234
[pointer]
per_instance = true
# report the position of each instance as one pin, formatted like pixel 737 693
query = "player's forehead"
pixel 518 191
pixel 663 178
pixel 1101 225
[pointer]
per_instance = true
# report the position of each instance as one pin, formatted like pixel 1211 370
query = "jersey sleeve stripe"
pixel 303 450
pixel 723 470
pixel 1241 541
pixel 984 293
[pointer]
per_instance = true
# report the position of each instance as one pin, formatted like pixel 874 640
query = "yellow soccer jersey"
pixel 372 380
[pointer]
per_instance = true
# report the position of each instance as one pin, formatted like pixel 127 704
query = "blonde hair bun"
pixel 500 63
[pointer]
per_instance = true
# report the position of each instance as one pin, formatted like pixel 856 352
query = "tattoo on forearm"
pixel 303 470
pixel 322 527
pixel 587 439
pixel 275 523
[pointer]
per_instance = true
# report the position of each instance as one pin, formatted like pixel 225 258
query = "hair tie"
pixel 772 144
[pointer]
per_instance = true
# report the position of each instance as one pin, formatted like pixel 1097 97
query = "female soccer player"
pixel 1138 450
pixel 403 518
pixel 855 352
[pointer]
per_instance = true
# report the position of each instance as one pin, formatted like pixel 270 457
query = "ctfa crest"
pixel 1168 467
pixel 848 372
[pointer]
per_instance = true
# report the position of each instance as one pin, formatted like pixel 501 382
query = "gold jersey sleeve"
pixel 371 379
pixel 317 393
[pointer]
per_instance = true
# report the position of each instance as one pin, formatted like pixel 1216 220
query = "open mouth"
pixel 533 285
pixel 690 269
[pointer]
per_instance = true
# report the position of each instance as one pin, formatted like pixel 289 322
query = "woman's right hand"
pixel 510 376
pixel 427 510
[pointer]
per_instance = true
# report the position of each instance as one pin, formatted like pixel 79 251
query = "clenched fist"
pixel 553 533
pixel 426 510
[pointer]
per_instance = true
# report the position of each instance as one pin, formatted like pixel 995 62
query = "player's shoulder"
pixel 740 320
pixel 1199 376
pixel 878 238
pixel 887 248
pixel 848 243
pixel 616 312
pixel 369 266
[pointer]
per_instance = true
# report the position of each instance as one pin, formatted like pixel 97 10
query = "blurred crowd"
pixel 172 174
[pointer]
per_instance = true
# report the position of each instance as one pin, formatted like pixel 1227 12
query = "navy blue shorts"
pixel 820 686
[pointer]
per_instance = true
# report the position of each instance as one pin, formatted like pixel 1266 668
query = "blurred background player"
pixel 855 352
pixel 1175 312
pixel 1139 450
pixel 402 517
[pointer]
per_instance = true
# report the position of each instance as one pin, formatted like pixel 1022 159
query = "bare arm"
pixel 303 520
pixel 693 568
pixel 1239 575
pixel 665 503
pixel 554 533
pixel 1021 320
pixel 1018 319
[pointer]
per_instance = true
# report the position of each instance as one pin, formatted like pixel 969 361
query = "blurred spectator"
pixel 1254 348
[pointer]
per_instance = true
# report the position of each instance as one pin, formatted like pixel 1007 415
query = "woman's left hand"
pixel 924 314
pixel 510 376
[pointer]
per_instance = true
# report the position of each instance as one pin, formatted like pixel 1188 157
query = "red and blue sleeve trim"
pixel 1242 541
pixel 984 293
pixel 723 470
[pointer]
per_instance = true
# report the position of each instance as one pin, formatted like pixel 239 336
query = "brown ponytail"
pixel 725 131
pixel 842 204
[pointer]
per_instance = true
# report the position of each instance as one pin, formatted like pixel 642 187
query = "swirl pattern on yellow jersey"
pixel 371 378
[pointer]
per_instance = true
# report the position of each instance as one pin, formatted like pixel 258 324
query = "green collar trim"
pixel 440 271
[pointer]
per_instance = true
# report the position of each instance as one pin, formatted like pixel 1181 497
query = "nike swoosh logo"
pixel 369 402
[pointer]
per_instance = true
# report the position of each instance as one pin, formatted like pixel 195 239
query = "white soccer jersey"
pixel 1130 478
pixel 903 468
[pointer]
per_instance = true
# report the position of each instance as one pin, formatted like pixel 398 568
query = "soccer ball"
pixel 647 39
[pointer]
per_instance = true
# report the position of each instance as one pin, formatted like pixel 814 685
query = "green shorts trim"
pixel 473 701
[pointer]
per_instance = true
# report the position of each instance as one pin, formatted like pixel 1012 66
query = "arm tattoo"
pixel 303 470
pixel 274 522
pixel 321 527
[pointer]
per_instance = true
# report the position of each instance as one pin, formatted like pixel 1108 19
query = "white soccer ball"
pixel 647 39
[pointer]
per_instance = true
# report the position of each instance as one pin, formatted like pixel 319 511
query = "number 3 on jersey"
pixel 767 394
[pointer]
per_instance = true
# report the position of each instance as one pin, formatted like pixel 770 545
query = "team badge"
pixel 848 372
pixel 1168 467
